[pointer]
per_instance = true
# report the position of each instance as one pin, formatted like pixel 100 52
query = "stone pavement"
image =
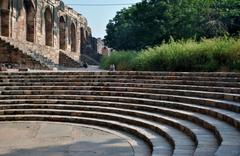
pixel 91 68
pixel 59 139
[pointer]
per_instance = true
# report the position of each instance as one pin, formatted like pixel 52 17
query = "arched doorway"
pixel 30 20
pixel 48 27
pixel 73 38
pixel 62 34
pixel 4 5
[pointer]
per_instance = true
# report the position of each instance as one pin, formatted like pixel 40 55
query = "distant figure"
pixel 85 65
pixel 112 67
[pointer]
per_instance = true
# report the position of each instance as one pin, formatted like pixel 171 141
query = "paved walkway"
pixel 89 69
pixel 59 139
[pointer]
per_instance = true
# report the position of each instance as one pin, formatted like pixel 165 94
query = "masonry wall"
pixel 18 59
pixel 45 23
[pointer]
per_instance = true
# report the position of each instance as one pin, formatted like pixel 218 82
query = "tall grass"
pixel 122 60
pixel 220 54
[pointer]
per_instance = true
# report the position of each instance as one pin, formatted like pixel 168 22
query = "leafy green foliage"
pixel 219 54
pixel 152 22
pixel 121 59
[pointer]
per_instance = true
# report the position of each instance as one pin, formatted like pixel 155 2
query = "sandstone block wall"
pixel 48 25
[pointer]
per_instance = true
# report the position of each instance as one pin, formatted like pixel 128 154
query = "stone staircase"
pixel 37 53
pixel 90 60
pixel 180 114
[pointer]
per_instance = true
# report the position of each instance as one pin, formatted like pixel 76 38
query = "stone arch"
pixel 30 20
pixel 73 38
pixel 62 33
pixel 48 27
pixel 4 5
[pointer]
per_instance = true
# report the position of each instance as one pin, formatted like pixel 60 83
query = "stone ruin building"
pixel 41 34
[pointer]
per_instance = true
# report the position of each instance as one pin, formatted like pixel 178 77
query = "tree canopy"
pixel 152 22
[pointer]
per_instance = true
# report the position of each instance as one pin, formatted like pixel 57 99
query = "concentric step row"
pixel 73 90
pixel 174 113
pixel 147 86
pixel 222 104
pixel 147 73
pixel 151 81
pixel 195 131
pixel 159 110
pixel 146 77
pixel 222 77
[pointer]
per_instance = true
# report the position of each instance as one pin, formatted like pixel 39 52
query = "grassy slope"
pixel 220 54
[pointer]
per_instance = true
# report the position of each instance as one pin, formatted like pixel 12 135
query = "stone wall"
pixel 47 23
pixel 13 58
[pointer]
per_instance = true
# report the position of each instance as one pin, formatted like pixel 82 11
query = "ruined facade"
pixel 41 30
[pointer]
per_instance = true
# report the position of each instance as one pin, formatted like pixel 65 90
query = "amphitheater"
pixel 120 113
pixel 47 112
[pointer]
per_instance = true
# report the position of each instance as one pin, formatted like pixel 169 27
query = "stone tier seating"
pixel 180 114
pixel 38 53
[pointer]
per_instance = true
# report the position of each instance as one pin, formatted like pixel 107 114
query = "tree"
pixel 152 22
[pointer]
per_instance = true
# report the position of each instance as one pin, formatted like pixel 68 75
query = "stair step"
pixel 62 81
pixel 146 77
pixel 145 86
pixel 222 122
pixel 204 138
pixel 140 73
pixel 228 134
pixel 174 113
pixel 228 105
pixel 200 94
pixel 23 48
pixel 112 125
pixel 107 119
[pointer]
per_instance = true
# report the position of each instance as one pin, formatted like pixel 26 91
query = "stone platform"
pixel 59 139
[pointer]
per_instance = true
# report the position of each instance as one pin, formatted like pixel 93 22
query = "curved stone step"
pixel 210 108
pixel 148 73
pixel 139 146
pixel 229 146
pixel 183 145
pixel 145 135
pixel 225 136
pixel 146 86
pixel 187 147
pixel 120 79
pixel 60 81
pixel 223 104
pixel 151 102
pixel 120 98
pixel 172 104
pixel 225 115
pixel 77 77
pixel 67 91
pixel 205 140
pixel 135 146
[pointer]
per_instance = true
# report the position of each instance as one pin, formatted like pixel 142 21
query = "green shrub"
pixel 122 60
pixel 220 54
